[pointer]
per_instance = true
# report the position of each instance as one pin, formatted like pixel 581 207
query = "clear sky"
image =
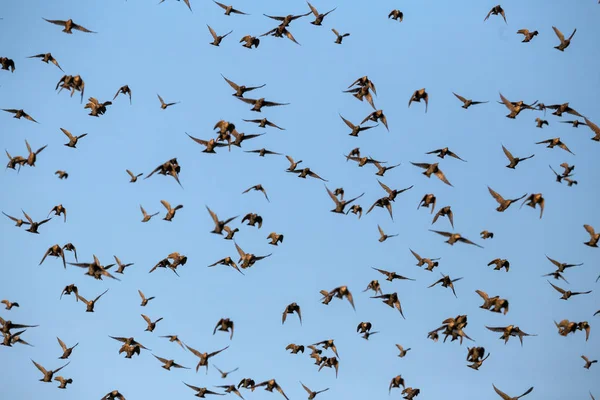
pixel 164 48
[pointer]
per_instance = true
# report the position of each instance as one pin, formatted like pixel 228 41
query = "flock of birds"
pixel 324 353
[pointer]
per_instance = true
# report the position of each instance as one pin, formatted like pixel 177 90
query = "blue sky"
pixel 164 49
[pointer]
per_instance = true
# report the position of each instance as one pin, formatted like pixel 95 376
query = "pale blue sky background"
pixel 442 46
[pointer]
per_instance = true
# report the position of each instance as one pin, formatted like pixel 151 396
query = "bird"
pixel 392 300
pixel 455 237
pixel 91 303
pixel 595 128
pixel 170 210
pixel 201 391
pixel 258 188
pixel 258 104
pixel 7 64
pixel 72 139
pixel 427 200
pixel 468 102
pixel 566 294
pixel 174 339
pixel 507 397
pixel 555 142
pixel 66 350
pixel 500 263
pixel 503 203
pixel 204 357
pixel 382 236
pixel 164 105
pixel 96 108
pixel 48 374
pixel 145 299
pixel 229 9
pixel 564 43
pixel 61 174
pixel 419 95
pixel 312 394
pixel 396 15
pixel 124 90
pixel 390 276
pixel 68 25
pixel 533 200
pixel 262 123
pixel 275 238
pixel 487 235
pixel 19 114
pixel 318 16
pixel 508 331
pixel 496 10
pixel 33 226
pixel 9 305
pixel 340 204
pixel 168 364
pixel 225 325
pixel 402 350
pixel 514 161
pixel 47 57
pixel 133 176
pixel 339 37
pixel 446 281
pixel 376 116
pixel 432 169
pixel 290 309
pixel 431 262
pixel 63 382
pixel 270 385
pixel 588 363
pixel 241 89
pixel 262 152
pixel 594 237
pixel 541 122
pixel 527 35
pixel 250 41
pixel 515 108
pixel 216 38
pixel 444 212
pixel 113 395
pixel 561 267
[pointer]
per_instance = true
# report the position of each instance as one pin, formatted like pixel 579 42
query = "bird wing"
pixel 81 28
pixel 561 37
pixel 507 103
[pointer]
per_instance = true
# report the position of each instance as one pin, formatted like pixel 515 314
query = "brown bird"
pixel 125 90
pixel 69 25
pixel 508 331
pixel 55 251
pixel 441 153
pixel 364 327
pixel 503 203
pixel 396 15
pixel 270 385
pixel 556 275
pixel 121 266
pixel 33 226
pixel 468 102
pixel 527 35
pixel 168 363
pixel 432 169
pixel 216 38
pixel 390 276
pixel 204 357
pixel 262 123
pixel 588 363
pixel 47 57
pixel 374 286
pixel 202 391
pixel 175 339
pixel 285 21
pixel 312 394
pixel 361 93
pixel 97 108
pixel 281 31
pixel 533 200
pixel 225 325
pixel 48 374
pixel 446 282
pixel 318 17
pixel 540 122
pixel 396 382
pixel 90 304
pixel 229 9
pixel 63 382
pixel 555 142
pixel 575 123
pixel 391 300
pixel 564 43
pixel 566 294
pixel 262 152
pixel 290 309
pixel 295 348
pixel 487 235
pixel 514 161
pixel 250 41
pixel 73 83
pixel 562 266
pixel 32 157
pixel 382 236
pixel 248 259
pixel 258 104
pixel 595 128
pixel 9 305
pixel 164 105
pixel 418 95
pixel 594 237
pixel 114 395
pixel 356 129
pixel 58 210
pixel 241 89
pixel 455 237
pixel 507 397
pixel 225 374
pixel 444 212
pixel 515 107
pixel 147 216
pixel 376 116
pixel 500 263
pixel 431 262
pixel 210 144
pixel 66 350
pixel 19 114
pixel 14 161
pixel 258 188
pixel 338 36
pixel 68 290
pixel 496 10
pixel 145 300
pixel 328 344
pixel 340 204
pixel 426 201
pixel 72 139
pixel 402 351
pixel 275 238
pixel 393 193
pixel 133 176
pixel 170 211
